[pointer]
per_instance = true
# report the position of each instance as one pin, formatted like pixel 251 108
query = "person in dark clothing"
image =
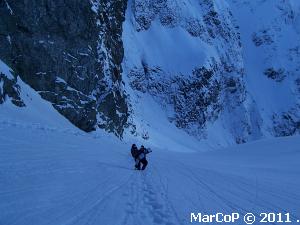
pixel 142 158
pixel 134 151
pixel 135 155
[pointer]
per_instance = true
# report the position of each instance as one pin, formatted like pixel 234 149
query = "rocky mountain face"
pixel 211 87
pixel 70 52
pixel 272 61
pixel 225 71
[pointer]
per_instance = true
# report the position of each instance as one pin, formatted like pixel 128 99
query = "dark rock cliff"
pixel 71 53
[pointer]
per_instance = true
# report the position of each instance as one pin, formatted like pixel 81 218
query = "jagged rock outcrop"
pixel 9 88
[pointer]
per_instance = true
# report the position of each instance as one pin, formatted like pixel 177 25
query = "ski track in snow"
pixel 51 176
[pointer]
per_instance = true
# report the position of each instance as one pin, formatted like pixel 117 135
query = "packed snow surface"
pixel 53 174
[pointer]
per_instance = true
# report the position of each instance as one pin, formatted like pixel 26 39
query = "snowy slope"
pixel 51 174
pixel 60 178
